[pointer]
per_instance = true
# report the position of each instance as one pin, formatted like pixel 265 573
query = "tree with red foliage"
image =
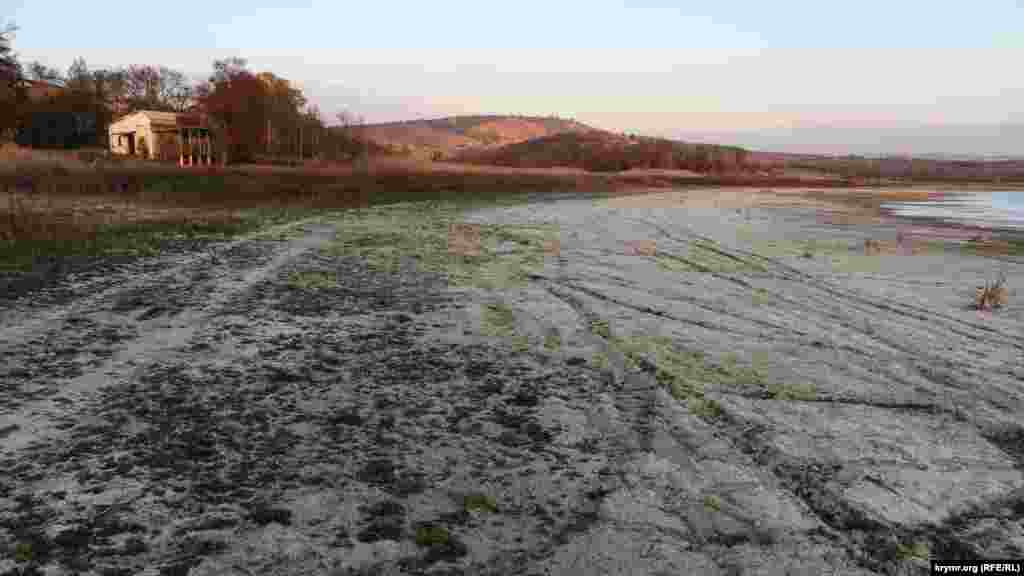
pixel 237 103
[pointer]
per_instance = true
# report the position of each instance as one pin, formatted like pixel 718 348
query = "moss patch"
pixel 553 342
pixel 432 536
pixel 782 391
pixel 22 552
pixel 685 373
pixel 704 407
pixel 433 236
pixel 601 328
pixel 915 551
pixel 312 280
pixel 520 343
pixel 498 320
pixel 479 502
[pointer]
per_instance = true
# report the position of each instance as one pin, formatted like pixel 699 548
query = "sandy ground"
pixel 674 383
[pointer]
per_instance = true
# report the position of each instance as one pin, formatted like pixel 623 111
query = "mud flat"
pixel 676 382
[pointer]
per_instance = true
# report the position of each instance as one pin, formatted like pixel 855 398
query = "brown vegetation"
pixel 864 170
pixel 444 138
pixel 991 295
pixel 600 151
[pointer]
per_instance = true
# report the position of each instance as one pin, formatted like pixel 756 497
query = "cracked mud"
pixel 359 399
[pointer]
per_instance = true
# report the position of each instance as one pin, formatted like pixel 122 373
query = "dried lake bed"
pixel 673 382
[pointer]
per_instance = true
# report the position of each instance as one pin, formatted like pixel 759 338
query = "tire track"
pixel 23 324
pixel 39 419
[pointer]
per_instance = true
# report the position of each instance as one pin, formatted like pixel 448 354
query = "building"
pixel 40 90
pixel 184 137
pixel 57 130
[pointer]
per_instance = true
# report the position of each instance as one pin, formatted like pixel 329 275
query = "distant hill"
pixel 598 150
pixel 974 142
pixel 447 137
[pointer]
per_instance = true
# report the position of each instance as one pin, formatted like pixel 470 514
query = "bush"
pixel 991 295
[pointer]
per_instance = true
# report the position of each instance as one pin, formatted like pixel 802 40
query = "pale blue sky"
pixel 652 67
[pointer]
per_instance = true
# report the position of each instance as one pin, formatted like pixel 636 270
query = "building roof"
pixel 42 83
pixel 169 118
pixel 156 118
pixel 40 89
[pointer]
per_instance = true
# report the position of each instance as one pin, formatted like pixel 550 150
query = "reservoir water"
pixel 991 209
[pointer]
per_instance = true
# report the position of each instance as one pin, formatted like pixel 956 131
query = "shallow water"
pixel 996 209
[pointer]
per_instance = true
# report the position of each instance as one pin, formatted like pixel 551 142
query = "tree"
pixel 110 86
pixel 742 158
pixel 78 77
pixel 174 91
pixel 38 71
pixel 11 92
pixel 10 69
pixel 142 87
pixel 226 69
pixel 146 87
pixel 236 100
pixel 284 110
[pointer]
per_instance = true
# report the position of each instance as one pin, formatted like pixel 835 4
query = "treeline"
pixel 856 167
pixel 253 116
pixel 598 151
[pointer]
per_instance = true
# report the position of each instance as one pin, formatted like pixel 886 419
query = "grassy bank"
pixel 54 210
pixel 56 206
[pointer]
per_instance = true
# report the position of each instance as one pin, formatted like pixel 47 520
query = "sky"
pixel 793 76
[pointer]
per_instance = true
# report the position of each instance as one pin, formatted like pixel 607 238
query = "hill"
pixel 602 151
pixel 446 137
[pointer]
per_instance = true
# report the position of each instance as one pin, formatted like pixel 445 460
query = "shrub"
pixel 991 295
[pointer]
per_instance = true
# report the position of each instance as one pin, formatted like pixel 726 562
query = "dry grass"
pixel 52 203
pixel 51 198
pixel 991 295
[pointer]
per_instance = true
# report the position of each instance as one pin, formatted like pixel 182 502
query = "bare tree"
pixel 174 89
pixel 38 71
pixel 228 68
pixel 78 77
pixel 11 93
pixel 111 89
pixel 10 70
pixel 142 86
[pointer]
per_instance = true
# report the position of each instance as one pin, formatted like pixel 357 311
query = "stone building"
pixel 183 137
